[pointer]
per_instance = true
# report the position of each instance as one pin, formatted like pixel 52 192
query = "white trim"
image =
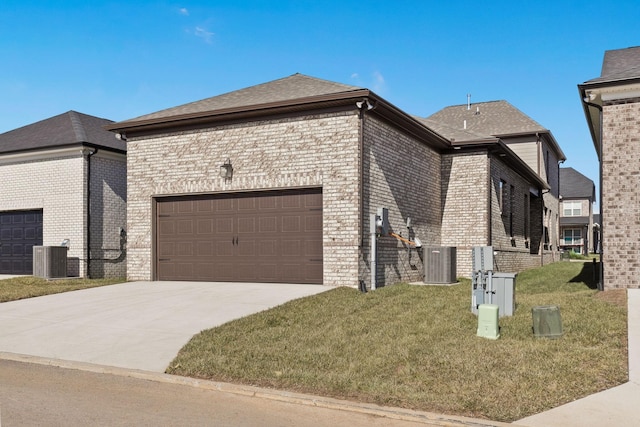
pixel 56 153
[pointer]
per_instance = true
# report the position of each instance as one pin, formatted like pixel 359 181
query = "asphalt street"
pixel 41 395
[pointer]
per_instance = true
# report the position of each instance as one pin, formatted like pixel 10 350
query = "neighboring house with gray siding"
pixel 277 183
pixel 577 195
pixel 612 108
pixel 63 178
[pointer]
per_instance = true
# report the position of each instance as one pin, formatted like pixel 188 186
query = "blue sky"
pixel 120 60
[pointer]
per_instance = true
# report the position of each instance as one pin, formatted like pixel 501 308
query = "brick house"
pixel 63 178
pixel 611 105
pixel 578 193
pixel 277 183
pixel 537 148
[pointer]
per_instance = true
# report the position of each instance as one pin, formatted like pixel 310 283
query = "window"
pixel 572 236
pixel 527 223
pixel 572 208
pixel 502 196
pixel 512 202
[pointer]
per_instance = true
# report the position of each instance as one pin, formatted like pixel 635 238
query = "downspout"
pixel 600 249
pixel 88 154
pixel 489 203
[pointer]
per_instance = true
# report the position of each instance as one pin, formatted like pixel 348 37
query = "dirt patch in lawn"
pixel 613 296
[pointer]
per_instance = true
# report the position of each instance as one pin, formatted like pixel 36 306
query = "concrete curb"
pixel 426 418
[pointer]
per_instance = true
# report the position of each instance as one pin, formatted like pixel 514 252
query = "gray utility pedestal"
pixel 504 285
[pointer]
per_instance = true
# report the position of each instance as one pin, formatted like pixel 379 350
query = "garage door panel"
pixel 262 237
pixel 224 225
pixel 225 249
pixel 247 248
pixel 205 249
pixel 185 206
pixel 291 224
pixel 205 226
pixel 166 227
pixel 20 231
pixel 247 225
pixel 268 248
pixel 267 224
pixel 185 226
pixel 313 248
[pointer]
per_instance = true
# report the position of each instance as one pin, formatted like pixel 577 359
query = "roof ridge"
pixel 77 126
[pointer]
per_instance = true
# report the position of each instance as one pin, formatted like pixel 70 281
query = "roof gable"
pixel 493 118
pixel 297 86
pixel 574 185
pixel 62 130
pixel 619 64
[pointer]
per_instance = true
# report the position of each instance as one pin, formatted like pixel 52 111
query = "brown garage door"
pixel 20 231
pixel 272 237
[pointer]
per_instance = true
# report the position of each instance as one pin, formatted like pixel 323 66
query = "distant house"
pixel 278 183
pixel 63 178
pixel 533 145
pixel 612 108
pixel 578 193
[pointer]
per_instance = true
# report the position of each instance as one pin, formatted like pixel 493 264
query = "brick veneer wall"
pixel 465 207
pixel 108 215
pixel 513 246
pixel 401 174
pixel 310 151
pixel 56 185
pixel 620 201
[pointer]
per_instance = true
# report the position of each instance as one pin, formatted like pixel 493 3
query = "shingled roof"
pixel 619 64
pixel 67 129
pixel 493 118
pixel 297 86
pixel 574 185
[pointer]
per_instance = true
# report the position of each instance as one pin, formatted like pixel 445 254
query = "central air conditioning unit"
pixel 50 262
pixel 440 265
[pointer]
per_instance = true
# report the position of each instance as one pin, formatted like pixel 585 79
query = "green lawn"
pixel 28 286
pixel 416 347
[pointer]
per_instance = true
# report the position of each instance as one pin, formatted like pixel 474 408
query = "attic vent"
pixel 477 110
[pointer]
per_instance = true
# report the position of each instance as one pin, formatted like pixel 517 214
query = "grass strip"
pixel 416 347
pixel 28 286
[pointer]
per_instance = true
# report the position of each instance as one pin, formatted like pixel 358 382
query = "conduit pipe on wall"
pixel 88 153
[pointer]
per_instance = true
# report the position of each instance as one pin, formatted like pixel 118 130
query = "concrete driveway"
pixel 137 325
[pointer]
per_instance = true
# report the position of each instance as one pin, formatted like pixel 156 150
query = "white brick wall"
pixel 57 186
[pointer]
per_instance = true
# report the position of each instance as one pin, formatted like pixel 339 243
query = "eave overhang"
pixel 342 100
pixel 592 96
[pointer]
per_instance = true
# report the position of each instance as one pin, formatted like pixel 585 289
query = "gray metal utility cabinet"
pixel 488 287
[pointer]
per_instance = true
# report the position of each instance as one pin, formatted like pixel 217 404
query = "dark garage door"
pixel 20 231
pixel 266 237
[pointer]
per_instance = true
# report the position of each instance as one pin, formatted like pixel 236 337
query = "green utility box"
pixel 488 321
pixel 547 322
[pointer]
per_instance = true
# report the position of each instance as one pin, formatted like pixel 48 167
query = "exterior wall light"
pixel 226 170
